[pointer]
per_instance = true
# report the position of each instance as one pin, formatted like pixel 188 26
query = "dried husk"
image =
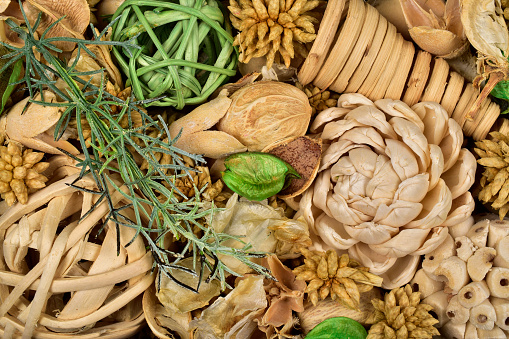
pixel 265 112
pixel 233 316
pixel 486 30
pixel 178 299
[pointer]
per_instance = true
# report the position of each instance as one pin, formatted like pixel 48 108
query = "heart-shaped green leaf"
pixel 257 175
pixel 338 328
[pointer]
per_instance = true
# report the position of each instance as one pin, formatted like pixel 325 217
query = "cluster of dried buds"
pixel 494 156
pixel 318 99
pixel 401 315
pixel 273 30
pixel 341 277
pixel 20 173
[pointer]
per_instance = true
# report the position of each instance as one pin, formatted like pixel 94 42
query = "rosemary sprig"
pixel 112 155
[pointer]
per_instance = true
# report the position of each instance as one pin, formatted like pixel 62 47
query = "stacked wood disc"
pixel 358 50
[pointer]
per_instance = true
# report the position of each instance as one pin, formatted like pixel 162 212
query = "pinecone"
pixel 273 28
pixel 401 315
pixel 318 99
pixel 20 173
pixel 494 156
pixel 342 277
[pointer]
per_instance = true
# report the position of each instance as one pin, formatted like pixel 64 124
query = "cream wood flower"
pixel 392 179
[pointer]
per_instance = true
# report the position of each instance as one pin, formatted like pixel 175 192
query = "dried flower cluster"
pixel 341 277
pixel 402 316
pixel 495 178
pixel 318 99
pixel 392 179
pixel 20 173
pixel 273 28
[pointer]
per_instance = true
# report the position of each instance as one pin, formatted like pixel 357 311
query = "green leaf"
pixel 338 328
pixel 257 175
pixel 16 72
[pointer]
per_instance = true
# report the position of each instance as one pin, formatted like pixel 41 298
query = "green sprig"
pixel 111 155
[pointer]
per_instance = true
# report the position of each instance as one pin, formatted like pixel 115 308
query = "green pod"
pixel 257 175
pixel 338 328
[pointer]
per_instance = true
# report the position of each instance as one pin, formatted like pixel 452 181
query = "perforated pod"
pixel 453 330
pixel 501 307
pixel 453 270
pixel 424 284
pixel 480 263
pixel 495 333
pixel 457 313
pixel 465 248
pixel 433 259
pixel 498 282
pixel 498 230
pixel 502 257
pixel 483 315
pixel 473 294
pixel 471 331
pixel 479 233
pixel 439 302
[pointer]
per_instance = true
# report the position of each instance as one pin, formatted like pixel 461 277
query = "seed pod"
pixel 256 175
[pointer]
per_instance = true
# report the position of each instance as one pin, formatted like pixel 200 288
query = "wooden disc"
pixel 398 82
pixel 418 78
pixel 471 125
pixel 466 100
pixel 360 48
pixel 343 46
pixel 378 90
pixel 323 41
pixel 369 57
pixel 437 81
pixel 452 92
pixel 487 122
pixel 381 59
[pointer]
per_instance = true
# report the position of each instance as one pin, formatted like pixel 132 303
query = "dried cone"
pixel 494 156
pixel 318 99
pixel 343 278
pixel 403 316
pixel 273 28
pixel 20 173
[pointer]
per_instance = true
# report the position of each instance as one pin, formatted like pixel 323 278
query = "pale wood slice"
pixel 471 125
pixel 323 41
pixel 452 92
pixel 469 95
pixel 369 57
pixel 343 46
pixel 359 50
pixel 418 78
pixel 437 82
pixel 389 69
pixel 381 59
pixel 395 90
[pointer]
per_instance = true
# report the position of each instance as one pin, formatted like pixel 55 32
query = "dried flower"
pixel 318 99
pixel 494 156
pixel 20 173
pixel 341 277
pixel 273 28
pixel 402 316
pixel 392 179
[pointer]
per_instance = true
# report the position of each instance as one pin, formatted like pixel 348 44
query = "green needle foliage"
pixel 112 155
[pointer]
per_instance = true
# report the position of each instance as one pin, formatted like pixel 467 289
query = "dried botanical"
pixel 273 28
pixel 486 30
pixel 392 179
pixel 436 26
pixel 341 277
pixel 402 315
pixel 20 173
pixel 318 99
pixel 494 156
